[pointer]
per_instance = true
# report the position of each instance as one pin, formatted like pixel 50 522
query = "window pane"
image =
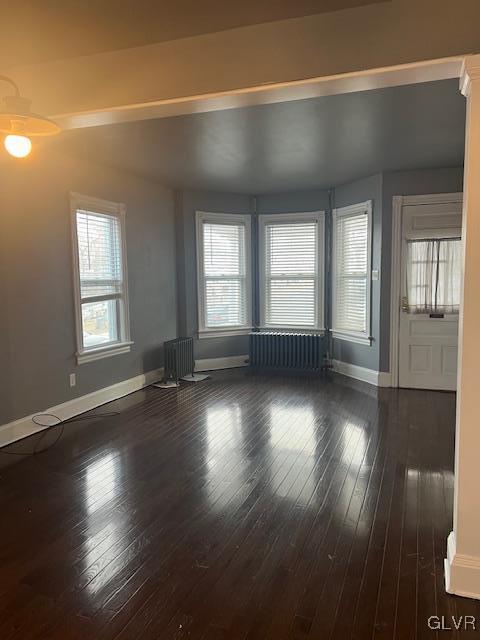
pixel 351 300
pixel 99 253
pixel 291 272
pixel 223 249
pixel 291 248
pixel 225 302
pixel 351 273
pixel 434 275
pixel 99 323
pixel 291 303
pixel 352 240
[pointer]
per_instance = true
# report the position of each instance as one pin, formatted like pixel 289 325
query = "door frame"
pixel 395 274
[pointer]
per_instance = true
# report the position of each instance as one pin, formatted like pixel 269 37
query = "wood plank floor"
pixel 245 507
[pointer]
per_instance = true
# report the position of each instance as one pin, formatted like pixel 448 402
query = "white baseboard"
pixel 384 379
pixel 23 427
pixel 212 364
pixel 377 378
pixel 462 572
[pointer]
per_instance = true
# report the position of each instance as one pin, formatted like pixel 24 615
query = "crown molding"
pixel 470 73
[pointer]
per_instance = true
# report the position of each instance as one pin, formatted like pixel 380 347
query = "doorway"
pixel 429 259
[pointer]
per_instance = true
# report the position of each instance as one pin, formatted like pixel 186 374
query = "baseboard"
pixel 462 572
pixel 212 364
pixel 384 379
pixel 24 427
pixel 377 378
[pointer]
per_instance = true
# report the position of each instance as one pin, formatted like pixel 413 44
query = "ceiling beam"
pixel 283 60
pixel 413 73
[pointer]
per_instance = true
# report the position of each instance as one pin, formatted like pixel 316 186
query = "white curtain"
pixel 434 275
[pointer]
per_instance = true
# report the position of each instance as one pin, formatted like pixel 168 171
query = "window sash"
pixel 114 290
pixel 349 320
pixel 433 275
pixel 240 275
pixel 288 316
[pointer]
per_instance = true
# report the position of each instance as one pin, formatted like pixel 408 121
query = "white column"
pixel 462 566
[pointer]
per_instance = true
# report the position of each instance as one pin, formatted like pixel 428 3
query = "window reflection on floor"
pixel 355 443
pixel 102 482
pixel 293 440
pixel 102 486
pixel 224 456
pixel 356 482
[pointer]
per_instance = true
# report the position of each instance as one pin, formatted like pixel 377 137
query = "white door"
pixel 430 296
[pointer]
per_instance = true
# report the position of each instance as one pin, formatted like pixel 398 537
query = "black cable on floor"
pixel 61 423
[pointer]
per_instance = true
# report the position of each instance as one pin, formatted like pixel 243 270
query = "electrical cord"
pixel 35 419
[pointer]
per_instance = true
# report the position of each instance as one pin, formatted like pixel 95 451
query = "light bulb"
pixel 18 146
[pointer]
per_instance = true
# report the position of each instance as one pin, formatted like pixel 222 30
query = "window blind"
pixel 291 273
pixel 224 274
pixel 99 253
pixel 351 271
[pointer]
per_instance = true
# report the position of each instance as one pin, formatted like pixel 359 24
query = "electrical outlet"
pixel 73 379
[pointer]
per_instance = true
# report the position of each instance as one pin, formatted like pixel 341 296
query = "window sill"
pixel 91 355
pixel 351 337
pixel 223 333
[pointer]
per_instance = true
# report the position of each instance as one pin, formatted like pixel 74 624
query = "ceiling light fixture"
pixel 19 123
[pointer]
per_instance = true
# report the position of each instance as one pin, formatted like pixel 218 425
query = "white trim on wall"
pixel 462 572
pixel 231 219
pixel 357 209
pixel 230 362
pixel 377 378
pixel 24 427
pixel 291 218
pixel 123 345
pixel 398 202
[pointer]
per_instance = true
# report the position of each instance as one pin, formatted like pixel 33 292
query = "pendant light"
pixel 19 123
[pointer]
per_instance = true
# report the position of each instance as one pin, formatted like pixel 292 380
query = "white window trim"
pixel 88 203
pixel 364 338
pixel 223 218
pixel 311 216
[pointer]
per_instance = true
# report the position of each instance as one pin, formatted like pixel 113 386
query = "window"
pixel 100 278
pixel 291 271
pixel 224 276
pixel 352 233
pixel 434 275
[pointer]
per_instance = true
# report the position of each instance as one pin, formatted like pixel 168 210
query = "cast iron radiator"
pixel 287 350
pixel 179 360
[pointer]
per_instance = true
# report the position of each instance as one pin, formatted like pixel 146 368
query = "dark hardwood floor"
pixel 245 507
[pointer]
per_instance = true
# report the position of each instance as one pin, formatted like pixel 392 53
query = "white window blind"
pixel 291 270
pixel 224 272
pixel 352 272
pixel 101 292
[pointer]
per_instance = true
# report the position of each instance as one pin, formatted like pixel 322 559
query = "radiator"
pixel 178 354
pixel 287 350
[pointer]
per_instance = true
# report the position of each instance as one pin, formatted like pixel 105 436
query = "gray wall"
pixel 186 205
pixel 406 183
pixel 366 189
pixel 295 201
pixel 37 331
